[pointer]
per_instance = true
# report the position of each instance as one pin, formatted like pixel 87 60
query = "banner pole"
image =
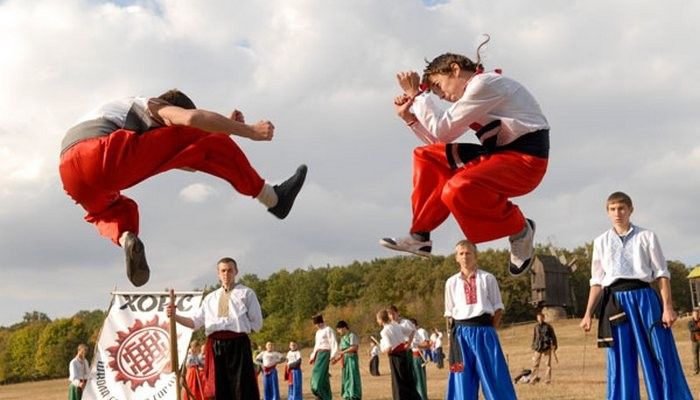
pixel 173 348
pixel 99 332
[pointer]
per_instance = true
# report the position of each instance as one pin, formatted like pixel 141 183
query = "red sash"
pixel 288 374
pixel 268 370
pixel 402 348
pixel 209 369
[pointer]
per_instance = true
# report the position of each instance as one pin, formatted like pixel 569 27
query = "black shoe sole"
pixel 513 270
pixel 287 192
pixel 136 265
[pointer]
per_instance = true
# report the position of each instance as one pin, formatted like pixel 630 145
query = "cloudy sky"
pixel 618 82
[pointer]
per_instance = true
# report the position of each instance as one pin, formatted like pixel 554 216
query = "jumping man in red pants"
pixel 127 141
pixel 472 182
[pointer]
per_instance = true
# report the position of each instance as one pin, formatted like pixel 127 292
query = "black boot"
pixel 136 266
pixel 287 191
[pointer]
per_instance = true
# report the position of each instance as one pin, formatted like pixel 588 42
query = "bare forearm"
pixel 497 318
pixel 214 122
pixel 593 295
pixel 184 321
pixel 665 289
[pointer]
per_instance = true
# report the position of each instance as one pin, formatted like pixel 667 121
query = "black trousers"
pixel 235 375
pixel 374 366
pixel 403 385
pixel 439 357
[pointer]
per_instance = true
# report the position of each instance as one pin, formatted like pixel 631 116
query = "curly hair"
pixel 442 64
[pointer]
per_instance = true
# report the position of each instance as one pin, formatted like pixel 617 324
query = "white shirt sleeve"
pixel 254 311
pixel 334 342
pixel 494 293
pixel 74 372
pixel 423 134
pixel 478 99
pixel 657 260
pixel 78 370
pixel 597 271
pixel 384 341
pixel 449 302
pixel 354 340
pixel 198 316
pixel 316 343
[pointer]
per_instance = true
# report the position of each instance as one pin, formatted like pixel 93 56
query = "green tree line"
pixel 39 348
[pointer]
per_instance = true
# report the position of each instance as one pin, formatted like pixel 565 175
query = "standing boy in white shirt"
pixel 632 320
pixel 474 308
pixel 292 372
pixel 269 359
pixel 78 369
pixel 394 343
pixel 325 349
pixel 228 315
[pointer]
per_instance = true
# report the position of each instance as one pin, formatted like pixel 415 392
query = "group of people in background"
pixel 339 346
pixel 474 309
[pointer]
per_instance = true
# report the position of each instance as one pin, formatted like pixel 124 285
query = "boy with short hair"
pixel 79 371
pixel 393 342
pixel 544 343
pixel 292 372
pixel 269 359
pixel 351 383
pixel 632 319
pixel 325 349
pixel 474 308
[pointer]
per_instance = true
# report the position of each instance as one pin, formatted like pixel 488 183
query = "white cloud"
pixel 197 193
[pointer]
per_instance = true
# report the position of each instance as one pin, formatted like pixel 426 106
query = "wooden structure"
pixel 694 281
pixel 549 282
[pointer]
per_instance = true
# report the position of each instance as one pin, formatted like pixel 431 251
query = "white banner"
pixel 132 356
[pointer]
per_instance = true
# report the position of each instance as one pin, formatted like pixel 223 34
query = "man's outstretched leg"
pixel 280 198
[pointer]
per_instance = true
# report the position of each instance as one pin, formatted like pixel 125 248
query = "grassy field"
pixel 571 379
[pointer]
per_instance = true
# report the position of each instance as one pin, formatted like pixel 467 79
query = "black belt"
pixel 481 320
pixel 609 312
pixel 455 355
pixel 534 143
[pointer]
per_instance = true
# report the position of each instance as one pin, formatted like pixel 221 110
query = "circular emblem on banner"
pixel 141 353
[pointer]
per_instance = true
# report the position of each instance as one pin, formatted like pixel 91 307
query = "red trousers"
pixel 476 194
pixel 94 171
pixel 194 379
